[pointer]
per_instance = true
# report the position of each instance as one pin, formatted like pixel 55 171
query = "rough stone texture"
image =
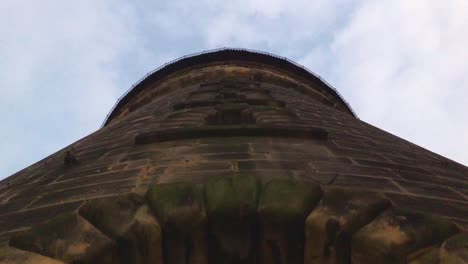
pixel 455 250
pixel 180 208
pixel 395 234
pixel 278 122
pixel 69 238
pixel 425 256
pixel 332 223
pixel 9 255
pixel 126 220
pixel 283 208
pixel 232 213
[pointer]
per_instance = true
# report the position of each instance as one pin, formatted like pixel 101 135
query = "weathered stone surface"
pixel 455 250
pixel 180 210
pixel 70 238
pixel 396 233
pixel 232 212
pixel 112 215
pixel 87 192
pixel 338 216
pixel 283 208
pixel 129 222
pixel 9 255
pixel 297 126
pixel 27 218
pixel 425 256
pixel 143 240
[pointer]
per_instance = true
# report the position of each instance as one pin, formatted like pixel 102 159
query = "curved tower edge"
pixel 221 54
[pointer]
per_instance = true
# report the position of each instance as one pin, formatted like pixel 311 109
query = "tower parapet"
pixel 248 66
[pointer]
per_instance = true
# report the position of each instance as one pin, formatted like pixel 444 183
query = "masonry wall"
pixel 228 120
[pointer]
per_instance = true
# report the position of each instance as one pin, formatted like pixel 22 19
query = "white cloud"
pixel 401 64
pixel 59 74
pixel 274 25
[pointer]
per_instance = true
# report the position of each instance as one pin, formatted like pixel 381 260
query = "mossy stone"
pixel 179 208
pixel 232 207
pixel 177 204
pixel 288 200
pixel 225 195
pixel 283 208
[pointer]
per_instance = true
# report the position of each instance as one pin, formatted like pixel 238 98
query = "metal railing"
pixel 224 49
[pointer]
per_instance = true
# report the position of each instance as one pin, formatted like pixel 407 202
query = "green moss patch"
pixel 231 206
pixel 180 210
pixel 177 204
pixel 283 208
pixel 232 196
pixel 285 201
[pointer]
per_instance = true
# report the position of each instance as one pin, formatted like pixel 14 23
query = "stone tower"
pixel 234 156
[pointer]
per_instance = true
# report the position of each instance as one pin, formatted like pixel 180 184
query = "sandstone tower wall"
pixel 240 114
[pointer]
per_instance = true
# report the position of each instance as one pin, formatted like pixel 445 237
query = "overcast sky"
pixel 402 65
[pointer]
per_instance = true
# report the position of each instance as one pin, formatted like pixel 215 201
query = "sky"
pixel 402 65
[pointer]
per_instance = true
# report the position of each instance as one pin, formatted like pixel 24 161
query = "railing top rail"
pixel 218 50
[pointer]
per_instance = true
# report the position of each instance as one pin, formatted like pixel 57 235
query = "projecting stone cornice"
pixel 230 131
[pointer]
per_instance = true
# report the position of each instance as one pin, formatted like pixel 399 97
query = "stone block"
pixel 283 208
pixel 67 237
pixel 396 233
pixel 261 165
pixel 112 215
pixel 9 255
pixel 232 212
pixel 143 239
pixel 27 218
pixel 128 221
pixel 446 208
pixel 180 210
pixel 430 189
pixel 455 250
pixel 337 217
pixel 274 130
pixel 368 183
